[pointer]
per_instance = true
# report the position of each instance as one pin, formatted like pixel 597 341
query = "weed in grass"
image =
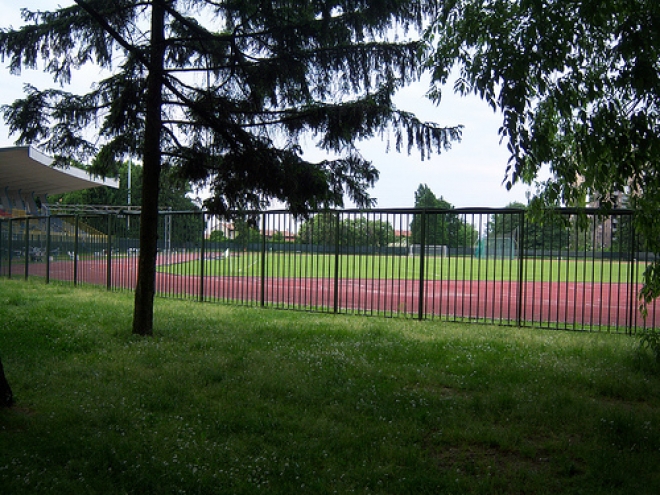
pixel 650 340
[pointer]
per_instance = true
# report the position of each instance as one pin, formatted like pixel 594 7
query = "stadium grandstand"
pixel 27 177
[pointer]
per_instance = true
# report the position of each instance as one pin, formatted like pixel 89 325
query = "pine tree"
pixel 222 91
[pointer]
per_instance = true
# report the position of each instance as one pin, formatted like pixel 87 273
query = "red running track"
pixel 558 304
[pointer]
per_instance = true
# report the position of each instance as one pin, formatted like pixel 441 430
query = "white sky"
pixel 470 174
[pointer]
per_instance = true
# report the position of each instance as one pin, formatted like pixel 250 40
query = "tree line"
pixel 327 228
pixel 175 196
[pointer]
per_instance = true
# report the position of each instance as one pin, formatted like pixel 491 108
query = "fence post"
pixel 10 249
pixel 632 315
pixel 202 255
pixel 48 226
pixel 76 233
pixel 336 274
pixel 27 247
pixel 108 249
pixel 422 246
pixel 2 224
pixel 521 266
pixel 263 260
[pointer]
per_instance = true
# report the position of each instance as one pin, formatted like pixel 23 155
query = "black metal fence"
pixel 568 269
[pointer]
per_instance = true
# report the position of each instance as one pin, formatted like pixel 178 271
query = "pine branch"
pixel 125 44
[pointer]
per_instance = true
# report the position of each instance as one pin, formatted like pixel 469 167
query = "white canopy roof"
pixel 27 170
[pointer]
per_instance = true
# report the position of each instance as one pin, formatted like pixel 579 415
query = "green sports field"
pixel 305 265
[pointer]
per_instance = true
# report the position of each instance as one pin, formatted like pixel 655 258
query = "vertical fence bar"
pixel 606 283
pixel 263 261
pixel 76 232
pixel 543 270
pixel 368 246
pixel 26 248
pixel 464 272
pixel 549 268
pixel 10 248
pixel 475 272
pixel 422 243
pixel 632 313
pixel 587 243
pixel 559 272
pixel 291 267
pixel 573 243
pixel 2 228
pixel 597 254
pixel 48 250
pixel 270 263
pixel 335 296
pixel 202 255
pixel 365 284
pixel 108 249
pixel 375 274
pixel 522 260
pixel 403 267
pixel 272 266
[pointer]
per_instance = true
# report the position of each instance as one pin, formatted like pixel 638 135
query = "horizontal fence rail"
pixel 566 269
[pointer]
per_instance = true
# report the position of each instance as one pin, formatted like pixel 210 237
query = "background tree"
pixel 278 237
pixel 578 86
pixel 247 231
pixel 626 234
pixel 321 229
pixel 549 232
pixel 353 232
pixel 218 236
pixel 442 229
pixel 221 92
pixel 505 223
pixel 362 231
pixel 174 196
pixel 543 231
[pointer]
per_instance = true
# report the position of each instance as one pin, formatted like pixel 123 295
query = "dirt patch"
pixel 484 460
pixel 15 419
pixel 437 390
pixel 487 459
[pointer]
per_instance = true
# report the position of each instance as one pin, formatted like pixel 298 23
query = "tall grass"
pixel 236 400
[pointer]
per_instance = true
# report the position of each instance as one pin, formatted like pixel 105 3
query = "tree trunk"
pixel 6 396
pixel 143 312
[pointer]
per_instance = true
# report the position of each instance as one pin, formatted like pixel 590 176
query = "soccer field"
pixel 388 267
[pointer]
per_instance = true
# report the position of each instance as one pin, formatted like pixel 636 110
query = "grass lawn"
pixel 239 400
pixel 302 265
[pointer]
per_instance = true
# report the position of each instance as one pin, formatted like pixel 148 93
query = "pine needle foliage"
pixel 242 82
